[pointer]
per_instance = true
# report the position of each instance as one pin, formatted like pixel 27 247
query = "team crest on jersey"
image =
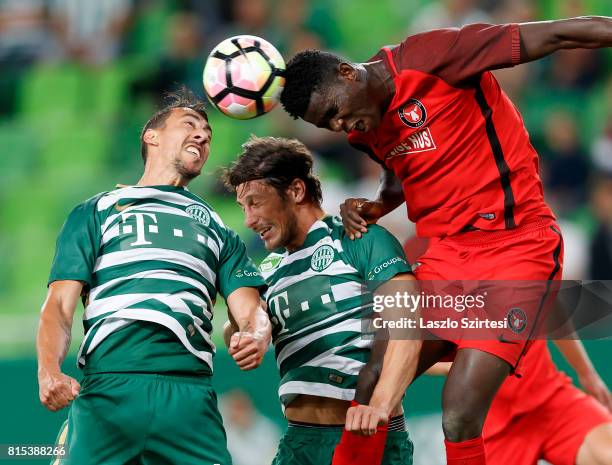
pixel 517 320
pixel 199 213
pixel 413 113
pixel 322 258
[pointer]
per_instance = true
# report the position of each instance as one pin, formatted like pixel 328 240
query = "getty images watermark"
pixel 490 310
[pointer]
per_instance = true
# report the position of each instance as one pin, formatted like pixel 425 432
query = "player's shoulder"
pixel 90 204
pixel 375 233
pixel 203 209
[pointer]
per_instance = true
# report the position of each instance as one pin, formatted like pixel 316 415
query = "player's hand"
pixel 56 390
pixel 358 213
pixel 248 349
pixel 594 385
pixel 364 419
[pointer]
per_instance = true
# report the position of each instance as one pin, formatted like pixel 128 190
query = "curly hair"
pixel 278 162
pixel 306 72
pixel 182 98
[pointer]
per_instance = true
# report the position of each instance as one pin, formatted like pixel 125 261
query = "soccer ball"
pixel 243 76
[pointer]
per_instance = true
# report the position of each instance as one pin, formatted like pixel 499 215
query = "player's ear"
pixel 151 137
pixel 347 71
pixel 297 190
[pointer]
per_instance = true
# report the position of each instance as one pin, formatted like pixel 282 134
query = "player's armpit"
pixel 539 39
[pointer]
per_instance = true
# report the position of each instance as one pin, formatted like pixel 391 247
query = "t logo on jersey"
pixel 413 113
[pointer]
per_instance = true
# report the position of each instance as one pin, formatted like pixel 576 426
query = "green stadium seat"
pixel 20 153
pixel 53 94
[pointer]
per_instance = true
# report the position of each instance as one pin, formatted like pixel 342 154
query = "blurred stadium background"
pixel 78 79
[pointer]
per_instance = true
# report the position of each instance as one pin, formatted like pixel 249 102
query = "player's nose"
pixel 250 220
pixel 201 135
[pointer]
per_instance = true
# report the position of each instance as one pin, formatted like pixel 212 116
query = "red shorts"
pixel 554 431
pixel 531 252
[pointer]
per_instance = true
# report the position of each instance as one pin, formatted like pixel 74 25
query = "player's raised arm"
pixel 249 344
pixel 358 213
pixel 539 39
pixel 398 370
pixel 56 390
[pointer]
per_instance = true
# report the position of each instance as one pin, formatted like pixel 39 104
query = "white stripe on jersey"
pixel 144 254
pixel 335 269
pixel 107 326
pixel 147 208
pixel 119 302
pixel 352 324
pixel 315 389
pixel 144 193
pixel 303 253
pixel 329 358
pixel 145 314
pixel 347 290
pixel 336 316
pixel 152 274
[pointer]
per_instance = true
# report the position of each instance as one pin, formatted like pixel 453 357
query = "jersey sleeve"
pixel 377 255
pixel 457 54
pixel 77 245
pixel 235 268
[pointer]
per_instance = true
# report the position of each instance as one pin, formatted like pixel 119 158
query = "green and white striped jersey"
pixel 152 254
pixel 316 299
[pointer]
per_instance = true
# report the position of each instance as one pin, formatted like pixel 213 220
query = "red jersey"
pixel 453 137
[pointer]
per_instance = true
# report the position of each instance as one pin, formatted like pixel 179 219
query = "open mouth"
pixel 194 150
pixel 264 232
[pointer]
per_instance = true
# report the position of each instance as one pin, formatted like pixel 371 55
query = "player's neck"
pixel 161 176
pixel 380 82
pixel 306 217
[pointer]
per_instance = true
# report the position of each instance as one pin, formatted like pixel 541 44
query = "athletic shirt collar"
pixel 317 231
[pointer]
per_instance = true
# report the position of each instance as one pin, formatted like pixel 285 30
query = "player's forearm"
pixel 248 312
pixel 370 373
pixel 399 369
pixel 576 356
pixel 53 340
pixel 543 38
pixel 389 193
pixel 55 326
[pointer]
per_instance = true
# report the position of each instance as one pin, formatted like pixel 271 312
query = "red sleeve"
pixel 458 54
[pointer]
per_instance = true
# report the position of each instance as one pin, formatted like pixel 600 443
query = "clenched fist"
pixel 248 349
pixel 56 390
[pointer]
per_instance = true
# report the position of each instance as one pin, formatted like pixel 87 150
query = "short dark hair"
pixel 182 98
pixel 276 161
pixel 305 74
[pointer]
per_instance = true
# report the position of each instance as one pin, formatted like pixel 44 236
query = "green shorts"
pixel 315 446
pixel 134 418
